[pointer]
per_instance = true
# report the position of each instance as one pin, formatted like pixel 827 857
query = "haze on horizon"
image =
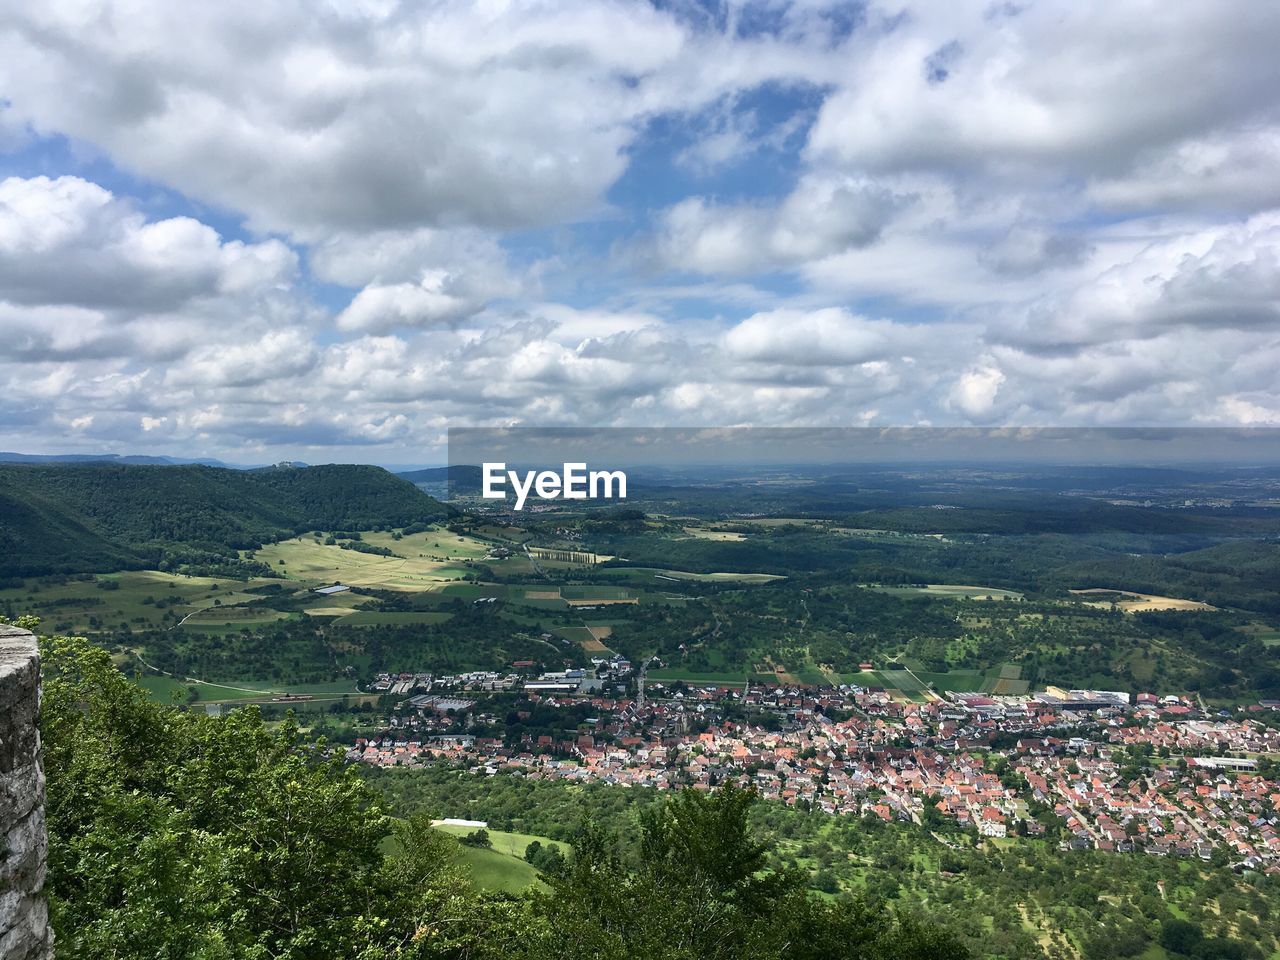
pixel 261 231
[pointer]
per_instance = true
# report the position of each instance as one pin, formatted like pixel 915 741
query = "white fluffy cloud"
pixel 430 302
pixel 963 212
pixel 69 241
pixel 830 337
pixel 823 216
pixel 346 116
pixel 1043 89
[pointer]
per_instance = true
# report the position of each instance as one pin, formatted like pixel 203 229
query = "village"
pixel 1159 775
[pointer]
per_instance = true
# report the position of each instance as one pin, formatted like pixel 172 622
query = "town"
pixel 1158 775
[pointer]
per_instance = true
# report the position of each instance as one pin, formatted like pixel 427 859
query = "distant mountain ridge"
pixel 83 517
pixel 7 456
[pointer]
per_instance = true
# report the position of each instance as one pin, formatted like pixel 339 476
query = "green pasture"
pixel 502 868
pixel 75 606
pixel 373 618
pixel 302 558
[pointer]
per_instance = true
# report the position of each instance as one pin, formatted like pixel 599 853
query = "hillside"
pixel 69 518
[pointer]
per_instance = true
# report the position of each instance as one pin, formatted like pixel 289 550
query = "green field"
pixel 951 590
pixel 82 606
pixel 903 682
pixel 421 561
pixel 736 678
pixel 436 543
pixel 163 688
pixel 595 592
pixel 502 868
pixel 373 618
pixel 961 681
pixel 1267 634
pixel 149 598
pixel 223 619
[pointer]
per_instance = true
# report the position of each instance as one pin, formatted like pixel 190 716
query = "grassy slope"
pixel 502 868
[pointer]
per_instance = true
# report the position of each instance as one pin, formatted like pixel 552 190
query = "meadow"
pixel 137 598
pixel 500 868
pixel 302 558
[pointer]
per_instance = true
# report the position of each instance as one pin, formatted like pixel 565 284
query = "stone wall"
pixel 24 916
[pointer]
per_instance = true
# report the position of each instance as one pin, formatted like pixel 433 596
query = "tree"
pixel 176 834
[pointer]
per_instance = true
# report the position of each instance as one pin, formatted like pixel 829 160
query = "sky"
pixel 329 231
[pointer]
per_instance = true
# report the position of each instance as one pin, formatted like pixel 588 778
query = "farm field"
pixel 162 688
pixel 904 683
pixel 1137 602
pixel 82 606
pixel 721 536
pixel 1267 634
pixel 436 543
pixel 1004 680
pixel 950 590
pixel 372 618
pixel 304 559
pixel 726 678
pixel 649 574
pixel 232 617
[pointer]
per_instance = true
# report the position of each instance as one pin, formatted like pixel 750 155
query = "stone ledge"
pixel 24 916
pixel 19 664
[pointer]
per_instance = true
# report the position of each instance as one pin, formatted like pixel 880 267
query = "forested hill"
pixel 70 518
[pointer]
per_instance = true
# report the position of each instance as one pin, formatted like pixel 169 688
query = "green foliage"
pixel 62 518
pixel 699 889
pixel 173 834
pixel 176 835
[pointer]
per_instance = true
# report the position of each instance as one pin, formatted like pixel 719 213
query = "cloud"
pixel 821 217
pixel 974 392
pixel 616 213
pixel 1213 278
pixel 433 301
pixel 1235 170
pixel 348 117
pixel 830 337
pixel 1091 89
pixel 1033 249
pixel 68 241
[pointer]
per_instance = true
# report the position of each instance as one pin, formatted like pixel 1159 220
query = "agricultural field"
pixel 950 590
pixel 434 544
pixel 224 618
pixel 139 598
pixel 164 689
pixel 1131 602
pixel 904 682
pixel 721 678
pixel 650 574
pixel 1268 634
pixel 373 618
pixel 596 595
pixel 411 568
pixel 720 536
